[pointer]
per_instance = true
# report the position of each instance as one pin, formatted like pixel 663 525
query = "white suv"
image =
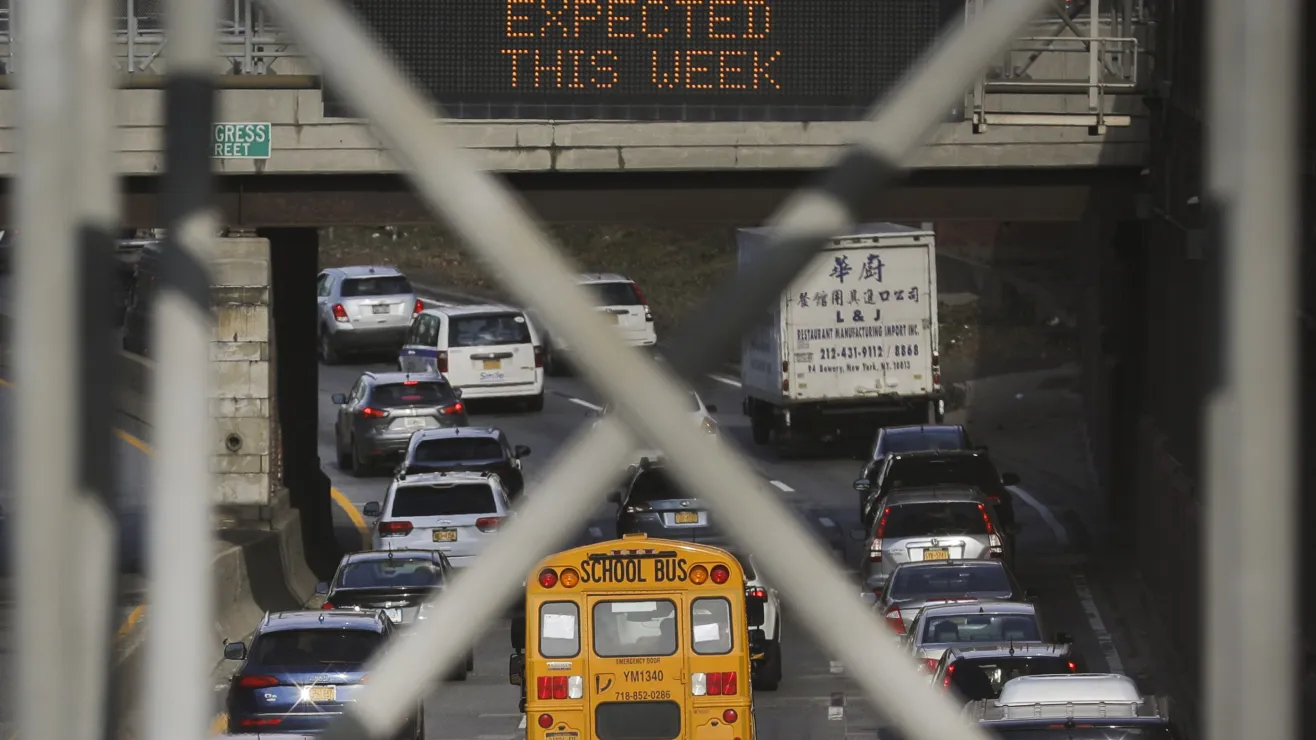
pixel 763 608
pixel 455 513
pixel 623 304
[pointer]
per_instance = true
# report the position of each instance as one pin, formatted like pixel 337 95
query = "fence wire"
pixel 491 220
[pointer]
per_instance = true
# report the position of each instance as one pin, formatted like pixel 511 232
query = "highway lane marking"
pixel 353 514
pixel 782 486
pixel 1058 529
pixel 837 667
pixel 1081 587
pixel 725 380
pixel 1095 623
pixel 522 725
pixel 586 404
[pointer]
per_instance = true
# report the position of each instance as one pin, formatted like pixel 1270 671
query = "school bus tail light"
pixel 720 574
pixel 547 578
pixel 560 687
pixel 713 684
pixel 569 578
pixel 729 716
pixel 545 721
pixel 698 575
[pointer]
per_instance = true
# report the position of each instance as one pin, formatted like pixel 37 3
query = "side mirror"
pixel 521 451
pixel 516 669
pixel 614 497
pixel 338 398
pixel 863 485
pixel 322 588
pixel 518 633
pixel 1064 638
pixel 1009 479
pixel 712 408
pixel 235 651
pixel 372 509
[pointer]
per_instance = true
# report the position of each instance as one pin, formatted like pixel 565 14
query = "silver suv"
pixel 363 309
pixel 942 523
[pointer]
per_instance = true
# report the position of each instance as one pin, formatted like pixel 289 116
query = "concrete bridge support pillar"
pixel 294 254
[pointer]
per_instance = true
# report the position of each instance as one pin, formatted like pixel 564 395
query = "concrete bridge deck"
pixel 305 141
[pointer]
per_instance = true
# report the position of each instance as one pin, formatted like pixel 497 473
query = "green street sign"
pixel 240 141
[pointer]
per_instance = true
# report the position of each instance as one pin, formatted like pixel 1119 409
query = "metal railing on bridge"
pixel 65 193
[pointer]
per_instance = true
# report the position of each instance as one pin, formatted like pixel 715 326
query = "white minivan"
pixel 488 351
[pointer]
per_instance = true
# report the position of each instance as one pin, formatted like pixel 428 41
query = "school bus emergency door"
pixel 641 643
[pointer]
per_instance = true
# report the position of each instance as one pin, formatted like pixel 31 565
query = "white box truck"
pixel 852 344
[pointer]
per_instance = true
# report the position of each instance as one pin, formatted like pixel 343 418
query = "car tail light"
pixel 328 605
pixel 713 684
pixel 995 498
pixel 757 593
pixel 455 408
pixel 639 295
pixel 987 520
pixel 539 356
pixel 340 313
pixel 441 361
pixel 547 579
pixel 648 314
pixel 994 548
pixel 895 621
pixel 936 369
pixel 488 523
pixel 545 720
pixel 930 664
pixel 719 574
pixel 875 549
pixel 374 413
pixel 420 306
pixel 394 529
pixel 257 682
pixel 729 716
pixel 950 671
pixel 1073 667
pixel 559 687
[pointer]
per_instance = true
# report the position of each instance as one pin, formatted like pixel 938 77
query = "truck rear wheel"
pixel 760 428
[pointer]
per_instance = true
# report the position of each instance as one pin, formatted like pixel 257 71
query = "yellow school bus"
pixel 637 638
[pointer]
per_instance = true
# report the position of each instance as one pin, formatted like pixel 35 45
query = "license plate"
pixel 493 364
pixel 380 309
pixel 319 694
pixel 687 517
pixel 445 535
pixel 939 553
pixel 411 422
pixel 612 318
pixel 395 615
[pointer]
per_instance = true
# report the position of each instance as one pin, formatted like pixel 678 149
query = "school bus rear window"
pixel 559 629
pixel 636 628
pixel 710 626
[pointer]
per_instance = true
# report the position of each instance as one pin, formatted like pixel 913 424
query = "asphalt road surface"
pixel 818 490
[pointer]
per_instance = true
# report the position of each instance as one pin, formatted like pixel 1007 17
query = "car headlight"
pixel 710 425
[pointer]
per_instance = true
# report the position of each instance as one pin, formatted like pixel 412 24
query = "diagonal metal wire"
pixel 488 216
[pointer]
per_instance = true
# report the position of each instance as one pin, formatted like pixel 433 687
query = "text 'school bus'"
pixel 637 638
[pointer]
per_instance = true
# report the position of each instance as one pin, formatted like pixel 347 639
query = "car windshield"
pixel 390 573
pixel 654 485
pixel 452 499
pixel 376 286
pixel 954 580
pixel 918 440
pixel 457 449
pixel 488 330
pixel 933 518
pixel 1095 732
pixel 921 472
pixel 981 627
pixel 412 393
pixel 982 678
pixel 314 648
pixel 614 294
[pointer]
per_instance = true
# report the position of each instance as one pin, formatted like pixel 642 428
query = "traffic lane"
pixel 133 463
pixel 543 432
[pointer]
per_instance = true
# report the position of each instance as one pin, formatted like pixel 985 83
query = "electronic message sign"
pixel 671 60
